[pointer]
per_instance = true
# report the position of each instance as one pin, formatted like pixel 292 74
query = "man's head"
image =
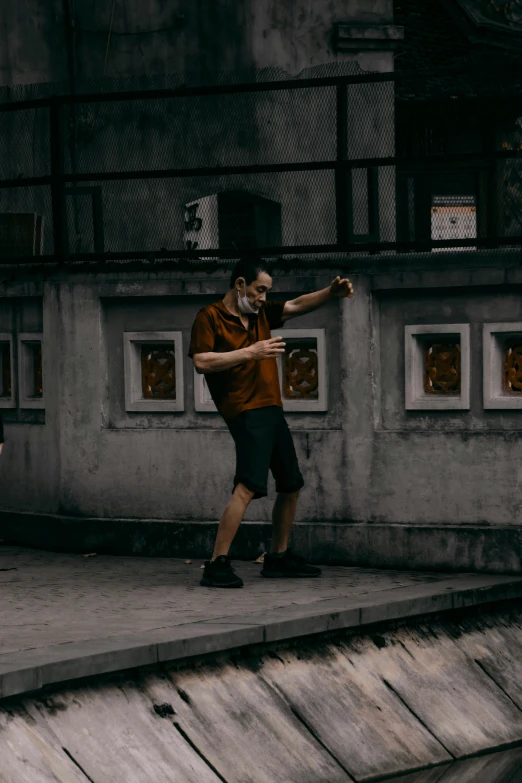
pixel 256 274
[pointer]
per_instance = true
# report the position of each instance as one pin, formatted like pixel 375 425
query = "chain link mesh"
pixel 411 159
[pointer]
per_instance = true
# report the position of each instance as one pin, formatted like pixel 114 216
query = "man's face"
pixel 257 290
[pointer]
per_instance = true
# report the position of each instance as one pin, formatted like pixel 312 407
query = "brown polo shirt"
pixel 253 384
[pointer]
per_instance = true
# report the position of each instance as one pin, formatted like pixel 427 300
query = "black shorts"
pixel 264 441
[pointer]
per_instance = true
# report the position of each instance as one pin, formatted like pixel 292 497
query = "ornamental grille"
pixel 513 367
pixel 158 372
pixel 300 369
pixel 442 371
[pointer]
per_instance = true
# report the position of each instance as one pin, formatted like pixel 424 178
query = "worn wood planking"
pixel 116 737
pixel 30 756
pixel 351 710
pixel 246 730
pixel 443 687
pixel 497 651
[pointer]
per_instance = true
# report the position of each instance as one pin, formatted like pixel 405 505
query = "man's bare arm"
pixel 212 361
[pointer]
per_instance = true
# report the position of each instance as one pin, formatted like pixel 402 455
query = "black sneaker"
pixel 219 573
pixel 287 566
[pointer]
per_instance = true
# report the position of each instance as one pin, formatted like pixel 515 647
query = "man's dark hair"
pixel 249 268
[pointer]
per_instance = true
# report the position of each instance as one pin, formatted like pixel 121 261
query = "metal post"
pixel 97 220
pixel 492 192
pixel 374 228
pixel 57 184
pixel 343 175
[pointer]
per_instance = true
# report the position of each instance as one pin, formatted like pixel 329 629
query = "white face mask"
pixel 245 306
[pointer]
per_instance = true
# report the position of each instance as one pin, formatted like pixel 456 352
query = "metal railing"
pixel 352 188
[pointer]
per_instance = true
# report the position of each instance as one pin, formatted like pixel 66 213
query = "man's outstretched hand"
pixel 341 288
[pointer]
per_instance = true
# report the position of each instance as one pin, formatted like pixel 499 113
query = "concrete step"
pixel 494 549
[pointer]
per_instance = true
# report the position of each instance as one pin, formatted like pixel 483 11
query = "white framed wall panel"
pixel 27 343
pixel 495 336
pixel 7 401
pixel 306 405
pixel 134 398
pixel 203 402
pixel 415 337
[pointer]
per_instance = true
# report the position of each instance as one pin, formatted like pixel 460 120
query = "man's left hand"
pixel 341 288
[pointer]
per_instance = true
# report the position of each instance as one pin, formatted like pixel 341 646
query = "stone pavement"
pixel 69 616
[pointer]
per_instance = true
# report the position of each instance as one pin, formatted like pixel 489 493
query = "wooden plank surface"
pixel 443 686
pixel 351 710
pixel 116 737
pixel 496 647
pixel 28 755
pixel 248 733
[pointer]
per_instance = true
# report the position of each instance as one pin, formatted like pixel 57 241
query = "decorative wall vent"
pixel 502 361
pixel 153 368
pixel 437 366
pixel 302 370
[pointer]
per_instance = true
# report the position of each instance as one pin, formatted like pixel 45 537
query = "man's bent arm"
pixel 306 303
pixel 212 361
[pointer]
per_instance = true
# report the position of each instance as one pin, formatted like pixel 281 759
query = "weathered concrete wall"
pixel 116 463
pixel 430 466
pixel 33 42
pixel 162 38
pixel 32 476
pixel 365 459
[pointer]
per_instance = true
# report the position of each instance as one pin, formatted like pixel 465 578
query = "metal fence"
pixel 354 164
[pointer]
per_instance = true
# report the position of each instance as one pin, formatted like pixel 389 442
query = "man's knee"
pixel 289 494
pixel 243 492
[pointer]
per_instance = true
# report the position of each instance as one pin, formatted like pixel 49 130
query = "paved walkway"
pixel 68 616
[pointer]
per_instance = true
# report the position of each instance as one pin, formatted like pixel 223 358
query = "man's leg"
pixel 281 561
pixel 231 519
pixel 283 515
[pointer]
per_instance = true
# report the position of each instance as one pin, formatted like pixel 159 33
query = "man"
pixel 232 346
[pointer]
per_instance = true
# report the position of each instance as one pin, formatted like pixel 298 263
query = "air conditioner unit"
pixel 453 217
pixel 232 219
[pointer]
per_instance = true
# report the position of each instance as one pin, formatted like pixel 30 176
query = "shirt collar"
pixel 225 311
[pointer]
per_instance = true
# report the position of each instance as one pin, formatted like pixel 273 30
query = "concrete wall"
pixel 168 37
pixel 365 460
pixel 116 463
pixel 430 466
